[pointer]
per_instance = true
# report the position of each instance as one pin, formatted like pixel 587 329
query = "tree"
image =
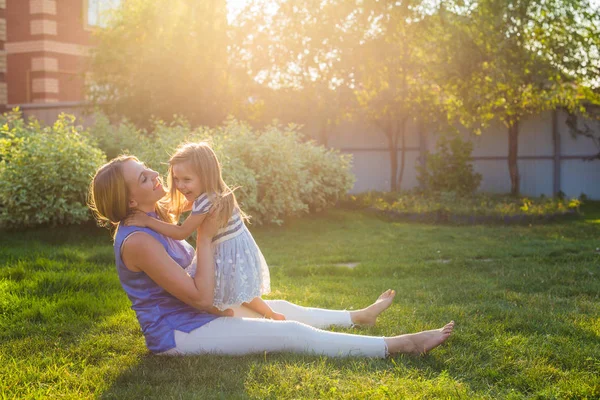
pixel 337 58
pixel 394 83
pixel 294 49
pixel 164 57
pixel 510 59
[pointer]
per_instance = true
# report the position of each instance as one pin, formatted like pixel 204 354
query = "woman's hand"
pixel 138 218
pixel 225 313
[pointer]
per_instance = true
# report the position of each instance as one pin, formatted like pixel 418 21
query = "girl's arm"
pixel 178 232
pixel 141 252
pixel 187 206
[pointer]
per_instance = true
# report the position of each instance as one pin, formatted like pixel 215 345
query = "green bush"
pixel 449 168
pixel 114 139
pixel 274 158
pixel 13 125
pixel 329 177
pixel 44 172
pixel 291 176
pixel 449 204
pixel 275 172
pixel 13 129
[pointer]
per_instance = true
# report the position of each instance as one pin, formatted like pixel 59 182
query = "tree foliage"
pixel 164 57
pixel 341 58
pixel 296 52
pixel 394 83
pixel 509 60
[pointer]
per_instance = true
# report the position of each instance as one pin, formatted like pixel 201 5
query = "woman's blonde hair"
pixel 204 162
pixel 108 196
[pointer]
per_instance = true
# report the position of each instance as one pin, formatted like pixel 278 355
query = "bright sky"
pixel 235 6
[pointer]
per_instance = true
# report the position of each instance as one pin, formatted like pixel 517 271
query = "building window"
pixel 96 11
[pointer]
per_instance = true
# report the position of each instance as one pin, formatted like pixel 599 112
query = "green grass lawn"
pixel 526 301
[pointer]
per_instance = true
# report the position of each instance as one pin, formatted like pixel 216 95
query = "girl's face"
pixel 145 188
pixel 186 180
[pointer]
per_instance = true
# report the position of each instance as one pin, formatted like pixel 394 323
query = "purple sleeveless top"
pixel 158 312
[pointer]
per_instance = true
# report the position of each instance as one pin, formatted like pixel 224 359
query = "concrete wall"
pixel 47 113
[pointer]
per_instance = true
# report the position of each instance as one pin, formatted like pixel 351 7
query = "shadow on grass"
pixel 268 375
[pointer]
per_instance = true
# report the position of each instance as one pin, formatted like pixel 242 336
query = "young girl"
pixel 242 274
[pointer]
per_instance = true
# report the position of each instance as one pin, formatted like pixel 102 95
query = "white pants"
pixel 299 334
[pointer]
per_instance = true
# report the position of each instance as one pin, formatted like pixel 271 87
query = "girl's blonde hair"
pixel 204 162
pixel 108 196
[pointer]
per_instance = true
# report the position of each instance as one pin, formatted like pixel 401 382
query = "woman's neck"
pixel 146 209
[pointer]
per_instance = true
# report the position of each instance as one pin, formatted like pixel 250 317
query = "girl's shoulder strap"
pixel 202 204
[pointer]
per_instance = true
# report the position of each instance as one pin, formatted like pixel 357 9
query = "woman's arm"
pixel 144 253
pixel 178 232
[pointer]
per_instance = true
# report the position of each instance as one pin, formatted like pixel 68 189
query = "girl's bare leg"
pixel 321 318
pixel 259 306
pixel 245 312
pixel 368 316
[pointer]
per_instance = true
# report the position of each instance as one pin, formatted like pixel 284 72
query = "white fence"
pixel 544 168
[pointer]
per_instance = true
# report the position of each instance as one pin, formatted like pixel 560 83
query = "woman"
pixel 175 310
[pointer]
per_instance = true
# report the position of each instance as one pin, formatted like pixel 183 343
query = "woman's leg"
pixel 240 336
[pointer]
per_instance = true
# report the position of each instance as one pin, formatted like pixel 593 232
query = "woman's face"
pixel 145 187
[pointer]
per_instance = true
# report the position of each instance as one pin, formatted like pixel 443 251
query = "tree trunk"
pixel 402 128
pixel 393 149
pixel 513 151
pixel 422 143
pixel 556 164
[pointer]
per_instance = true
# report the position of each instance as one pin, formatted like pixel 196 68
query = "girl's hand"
pixel 138 218
pixel 210 226
pixel 187 205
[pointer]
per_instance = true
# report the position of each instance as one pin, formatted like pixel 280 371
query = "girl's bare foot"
pixel 278 316
pixel 421 342
pixel 368 316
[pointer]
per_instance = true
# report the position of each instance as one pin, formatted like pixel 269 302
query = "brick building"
pixel 43 52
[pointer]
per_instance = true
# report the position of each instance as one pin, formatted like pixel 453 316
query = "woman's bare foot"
pixel 368 316
pixel 421 342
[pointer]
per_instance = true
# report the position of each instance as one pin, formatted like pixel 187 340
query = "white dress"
pixel 241 272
